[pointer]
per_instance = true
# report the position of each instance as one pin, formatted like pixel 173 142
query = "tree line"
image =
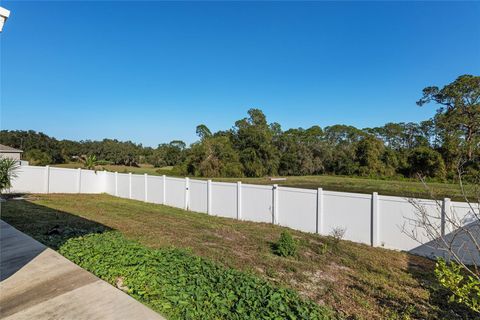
pixel 253 147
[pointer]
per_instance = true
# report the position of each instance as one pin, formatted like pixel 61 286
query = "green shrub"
pixel 37 157
pixel 426 162
pixel 465 289
pixel 286 245
pixel 182 286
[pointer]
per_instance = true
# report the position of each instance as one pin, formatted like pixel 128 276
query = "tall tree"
pixel 460 109
pixel 296 156
pixel 203 131
pixel 253 138
pixel 369 154
pixel 213 157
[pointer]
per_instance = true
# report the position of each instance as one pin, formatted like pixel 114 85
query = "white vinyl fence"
pixel 371 219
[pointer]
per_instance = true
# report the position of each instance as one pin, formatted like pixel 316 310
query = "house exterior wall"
pixel 11 155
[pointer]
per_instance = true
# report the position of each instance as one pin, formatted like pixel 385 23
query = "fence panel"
pixel 257 203
pixel 198 196
pixel 63 180
pixel 138 187
pixel 349 211
pixel 397 220
pixel 298 208
pixel 91 182
pixel 110 183
pixel 30 179
pixel 463 213
pixel 123 185
pixel 175 192
pixel 224 199
pixel 464 247
pixel 155 189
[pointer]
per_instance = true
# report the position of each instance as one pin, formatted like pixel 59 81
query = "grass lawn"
pixel 357 281
pixel 403 188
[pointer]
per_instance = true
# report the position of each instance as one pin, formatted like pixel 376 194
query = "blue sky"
pixel 151 71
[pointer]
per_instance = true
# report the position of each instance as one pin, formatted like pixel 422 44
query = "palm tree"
pixel 8 168
pixel 89 162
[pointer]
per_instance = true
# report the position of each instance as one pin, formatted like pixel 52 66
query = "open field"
pixel 143 168
pixel 403 188
pixel 357 281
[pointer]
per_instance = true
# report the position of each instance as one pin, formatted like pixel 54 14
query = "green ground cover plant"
pixel 182 286
pixel 465 288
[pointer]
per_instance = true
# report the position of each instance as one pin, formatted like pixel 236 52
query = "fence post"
pixel 146 187
pixel 129 185
pixel 116 184
pixel 375 220
pixel 47 179
pixel 275 203
pixel 239 200
pixel 209 197
pixel 79 180
pixel 164 183
pixel 187 192
pixel 319 228
pixel 445 211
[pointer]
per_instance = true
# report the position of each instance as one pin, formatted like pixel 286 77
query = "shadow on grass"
pixel 439 296
pixel 46 225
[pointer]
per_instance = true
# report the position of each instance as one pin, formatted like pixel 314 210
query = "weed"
pixel 286 245
pixel 338 233
pixel 323 248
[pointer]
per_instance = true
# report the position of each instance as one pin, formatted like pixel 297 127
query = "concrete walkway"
pixel 39 283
